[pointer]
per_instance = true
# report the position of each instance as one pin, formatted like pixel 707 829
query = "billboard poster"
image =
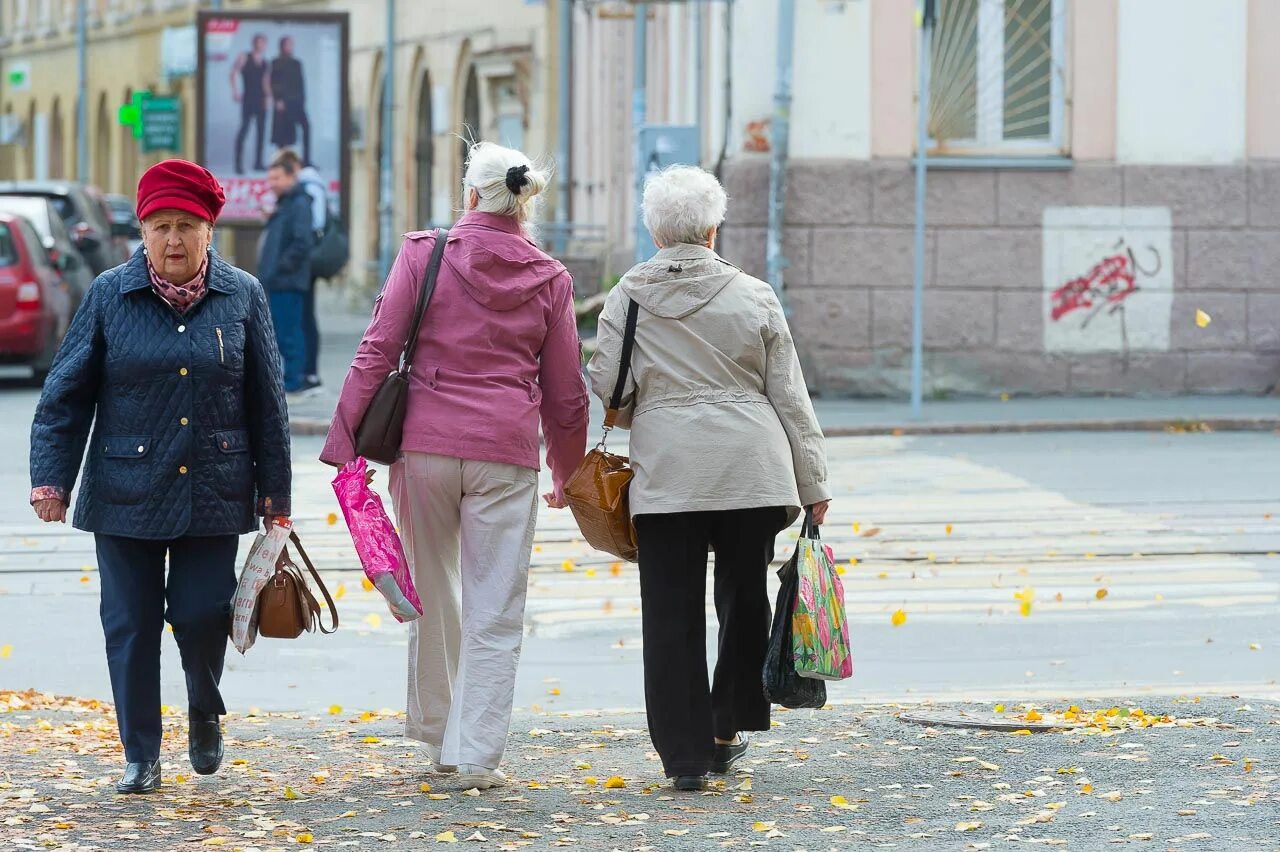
pixel 270 81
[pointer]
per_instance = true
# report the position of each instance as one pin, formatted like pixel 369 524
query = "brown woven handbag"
pixel 286 608
pixel 597 491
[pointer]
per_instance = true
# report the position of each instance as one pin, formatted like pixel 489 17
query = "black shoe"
pixel 311 382
pixel 725 756
pixel 204 742
pixel 140 778
pixel 692 783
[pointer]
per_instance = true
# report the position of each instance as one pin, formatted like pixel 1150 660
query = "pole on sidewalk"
pixel 385 207
pixel 564 123
pixel 638 115
pixel 922 144
pixel 82 90
pixel 779 133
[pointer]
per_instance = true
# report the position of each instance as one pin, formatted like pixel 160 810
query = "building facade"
pixel 1103 200
pixel 460 71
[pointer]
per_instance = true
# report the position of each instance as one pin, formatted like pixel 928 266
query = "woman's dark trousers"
pixel 137 599
pixel 684 713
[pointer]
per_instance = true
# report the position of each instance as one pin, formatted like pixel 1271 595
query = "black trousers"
pixel 311 331
pixel 198 590
pixel 684 713
pixel 250 113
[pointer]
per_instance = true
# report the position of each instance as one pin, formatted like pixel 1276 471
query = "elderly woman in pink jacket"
pixel 498 351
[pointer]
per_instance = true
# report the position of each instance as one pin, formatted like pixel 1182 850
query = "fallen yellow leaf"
pixel 763 826
pixel 898 618
pixel 373 620
pixel 1100 594
pixel 1203 319
pixel 340 591
pixel 332 518
pixel 306 837
pixel 424 787
pixel 948 529
pixel 366 584
pixel 5 651
pixel 371 740
pixel 969 826
pixel 567 565
pixel 1255 646
pixel 614 783
pixel 1025 608
pixel 999 708
pixel 335 709
pixel 616 569
pixel 446 837
pixel 290 793
pixel 590 781
pixel 1032 716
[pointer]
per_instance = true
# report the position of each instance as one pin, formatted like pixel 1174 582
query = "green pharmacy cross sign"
pixel 156 120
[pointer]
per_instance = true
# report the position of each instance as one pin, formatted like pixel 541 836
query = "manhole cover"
pixel 983 723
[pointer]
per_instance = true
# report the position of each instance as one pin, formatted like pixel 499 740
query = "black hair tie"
pixel 517 178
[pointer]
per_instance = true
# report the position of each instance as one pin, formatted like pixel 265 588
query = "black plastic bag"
pixel 781 683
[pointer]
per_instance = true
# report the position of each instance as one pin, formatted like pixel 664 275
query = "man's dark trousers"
pixel 198 591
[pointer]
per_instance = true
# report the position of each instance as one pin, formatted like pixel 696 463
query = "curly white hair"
pixel 682 204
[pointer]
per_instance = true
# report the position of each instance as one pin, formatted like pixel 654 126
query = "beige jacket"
pixel 719 414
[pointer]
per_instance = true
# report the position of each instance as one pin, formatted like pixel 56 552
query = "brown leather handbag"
pixel 286 608
pixel 597 492
pixel 382 428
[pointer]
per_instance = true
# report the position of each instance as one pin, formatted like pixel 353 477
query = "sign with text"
pixel 161 120
pixel 269 81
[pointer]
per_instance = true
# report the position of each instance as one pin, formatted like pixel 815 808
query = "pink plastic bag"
pixel 377 543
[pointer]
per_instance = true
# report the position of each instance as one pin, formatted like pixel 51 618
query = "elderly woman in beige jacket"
pixel 726 451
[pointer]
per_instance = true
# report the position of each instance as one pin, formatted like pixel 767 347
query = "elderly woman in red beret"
pixel 172 361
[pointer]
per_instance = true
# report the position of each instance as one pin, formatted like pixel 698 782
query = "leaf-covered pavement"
pixel 1176 774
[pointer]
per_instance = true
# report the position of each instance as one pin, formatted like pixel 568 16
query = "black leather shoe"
pixel 692 783
pixel 140 778
pixel 725 756
pixel 204 742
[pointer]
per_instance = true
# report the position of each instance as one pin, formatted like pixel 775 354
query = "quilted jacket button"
pixel 183 470
pixel 141 449
pixel 181 329
pixel 226 445
pixel 182 372
pixel 184 421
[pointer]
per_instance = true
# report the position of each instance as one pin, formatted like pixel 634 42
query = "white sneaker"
pixel 480 777
pixel 433 752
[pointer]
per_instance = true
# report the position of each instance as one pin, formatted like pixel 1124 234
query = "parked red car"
pixel 35 303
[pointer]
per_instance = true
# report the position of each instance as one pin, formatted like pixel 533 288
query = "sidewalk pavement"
pixel 342 326
pixel 1178 774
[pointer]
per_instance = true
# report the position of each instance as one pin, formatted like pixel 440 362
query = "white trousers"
pixel 468 529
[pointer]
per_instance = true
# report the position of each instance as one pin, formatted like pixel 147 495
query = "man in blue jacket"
pixel 284 265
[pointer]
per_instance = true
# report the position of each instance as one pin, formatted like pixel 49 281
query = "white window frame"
pixel 990 97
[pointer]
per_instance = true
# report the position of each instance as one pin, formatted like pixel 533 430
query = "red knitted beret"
pixel 180 185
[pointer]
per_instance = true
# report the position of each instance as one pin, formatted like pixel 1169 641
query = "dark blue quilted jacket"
pixel 191 432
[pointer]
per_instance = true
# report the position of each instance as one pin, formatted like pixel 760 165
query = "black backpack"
pixel 332 250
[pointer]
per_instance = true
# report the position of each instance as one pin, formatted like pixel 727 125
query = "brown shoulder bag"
pixel 597 491
pixel 286 608
pixel 382 428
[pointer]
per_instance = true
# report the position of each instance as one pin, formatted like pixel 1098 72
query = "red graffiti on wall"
pixel 1107 285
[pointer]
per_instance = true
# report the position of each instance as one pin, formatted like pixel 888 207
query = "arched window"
pixel 424 153
pixel 102 145
pixel 57 165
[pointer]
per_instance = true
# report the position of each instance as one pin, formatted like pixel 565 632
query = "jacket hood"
pixel 309 174
pixel 678 280
pixel 499 266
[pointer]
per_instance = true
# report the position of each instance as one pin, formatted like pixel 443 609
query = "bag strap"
pixel 624 369
pixel 424 298
pixel 333 610
pixel 809 529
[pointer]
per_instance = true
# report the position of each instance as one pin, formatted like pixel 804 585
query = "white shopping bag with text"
pixel 258 570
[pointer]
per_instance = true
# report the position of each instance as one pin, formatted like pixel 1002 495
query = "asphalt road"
pixel 1176 532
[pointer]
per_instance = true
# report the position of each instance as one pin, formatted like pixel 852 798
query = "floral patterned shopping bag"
pixel 819 629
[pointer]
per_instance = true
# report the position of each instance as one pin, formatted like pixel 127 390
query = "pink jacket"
pixel 498 349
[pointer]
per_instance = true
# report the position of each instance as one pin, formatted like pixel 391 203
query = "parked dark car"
pixel 84 216
pixel 43 216
pixel 124 221
pixel 35 302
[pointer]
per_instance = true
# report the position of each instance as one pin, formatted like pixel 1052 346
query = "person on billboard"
pixel 284 264
pixel 287 86
pixel 249 89
pixel 170 376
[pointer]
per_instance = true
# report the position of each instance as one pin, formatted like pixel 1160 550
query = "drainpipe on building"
pixel 564 123
pixel 388 146
pixel 774 260
pixel 82 91
pixel 638 116
pixel 926 21
pixel 699 72
pixel 728 89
